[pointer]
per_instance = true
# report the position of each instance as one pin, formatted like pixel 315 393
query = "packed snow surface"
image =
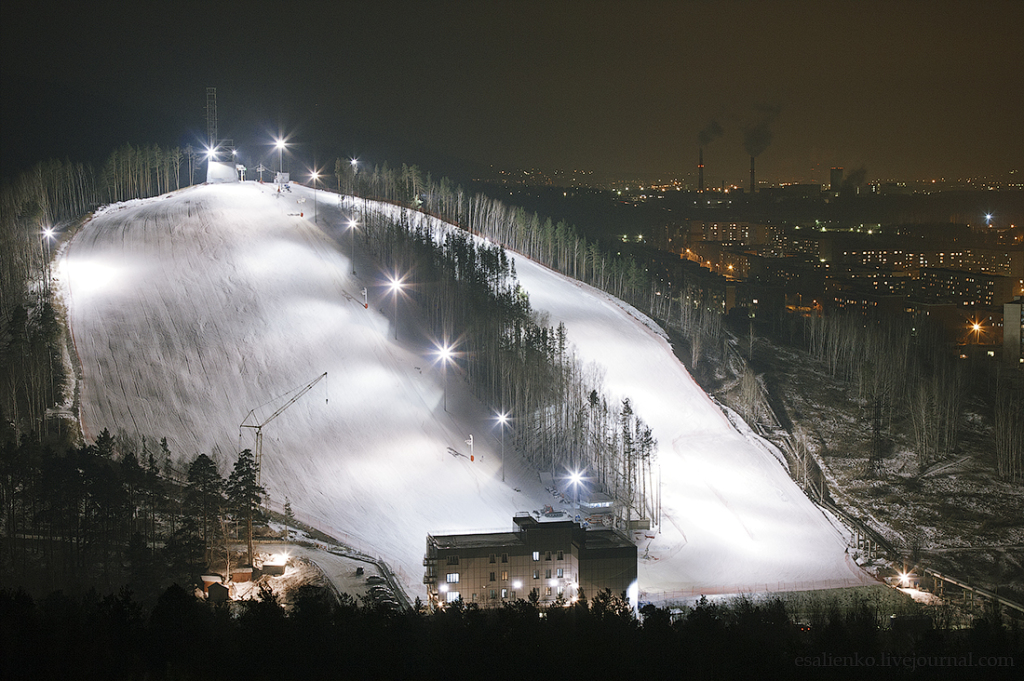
pixel 190 310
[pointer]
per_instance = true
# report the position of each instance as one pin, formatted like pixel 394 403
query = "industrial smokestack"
pixel 752 184
pixel 700 170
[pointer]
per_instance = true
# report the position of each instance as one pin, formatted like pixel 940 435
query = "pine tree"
pixel 289 516
pixel 245 494
pixel 204 495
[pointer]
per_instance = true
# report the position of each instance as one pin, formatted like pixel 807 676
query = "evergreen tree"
pixel 204 496
pixel 245 494
pixel 289 516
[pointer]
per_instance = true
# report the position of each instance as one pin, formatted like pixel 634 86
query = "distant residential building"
pixel 963 287
pixel 555 559
pixel 1013 332
pixel 732 232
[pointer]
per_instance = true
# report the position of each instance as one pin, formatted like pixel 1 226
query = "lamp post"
pixel 314 175
pixel 47 236
pixel 352 230
pixel 396 289
pixel 445 354
pixel 280 156
pixel 502 420
pixel 575 478
pixel 355 170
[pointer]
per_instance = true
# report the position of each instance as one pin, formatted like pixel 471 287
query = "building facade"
pixel 555 559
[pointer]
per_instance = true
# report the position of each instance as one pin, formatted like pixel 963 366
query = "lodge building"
pixel 557 559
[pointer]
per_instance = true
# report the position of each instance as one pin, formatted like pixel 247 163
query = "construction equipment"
pixel 252 421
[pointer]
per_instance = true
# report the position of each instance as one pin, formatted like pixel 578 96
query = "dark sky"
pixel 907 90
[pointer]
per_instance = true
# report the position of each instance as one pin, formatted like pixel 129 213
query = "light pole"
pixel 502 420
pixel 280 156
pixel 355 170
pixel 445 354
pixel 314 175
pixel 396 289
pixel 47 236
pixel 352 230
pixel 575 478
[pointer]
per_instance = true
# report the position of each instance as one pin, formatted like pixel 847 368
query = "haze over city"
pixel 907 91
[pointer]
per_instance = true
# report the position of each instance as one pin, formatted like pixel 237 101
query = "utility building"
pixel 555 559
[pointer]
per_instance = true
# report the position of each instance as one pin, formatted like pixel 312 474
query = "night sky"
pixel 906 90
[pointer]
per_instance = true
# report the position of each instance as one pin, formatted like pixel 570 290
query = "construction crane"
pixel 252 421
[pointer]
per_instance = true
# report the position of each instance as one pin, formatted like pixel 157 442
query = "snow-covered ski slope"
pixel 191 309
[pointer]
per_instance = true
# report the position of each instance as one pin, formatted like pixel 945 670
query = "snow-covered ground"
pixel 191 309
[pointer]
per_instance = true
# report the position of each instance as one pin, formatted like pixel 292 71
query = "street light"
pixel 575 479
pixel 48 235
pixel 444 353
pixel 502 420
pixel 396 289
pixel 315 176
pixel 280 156
pixel 352 230
pixel 355 170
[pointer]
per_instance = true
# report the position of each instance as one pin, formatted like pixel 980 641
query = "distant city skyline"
pixel 906 91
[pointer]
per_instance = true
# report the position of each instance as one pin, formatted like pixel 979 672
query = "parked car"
pixel 375 579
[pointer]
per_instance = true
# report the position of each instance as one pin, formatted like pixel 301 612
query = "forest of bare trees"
pixel 469 297
pixel 38 210
pixel 903 372
pixel 909 379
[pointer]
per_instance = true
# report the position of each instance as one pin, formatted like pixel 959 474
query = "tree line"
pixel 902 368
pixel 318 636
pixel 469 297
pixel 101 515
pixel 57 195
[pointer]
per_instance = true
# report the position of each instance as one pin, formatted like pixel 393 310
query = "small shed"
pixel 218 593
pixel 242 574
pixel 209 579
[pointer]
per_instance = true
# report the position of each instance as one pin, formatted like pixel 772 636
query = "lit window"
pixel 452 578
pixel 504 575
pixel 536 555
pixel 558 573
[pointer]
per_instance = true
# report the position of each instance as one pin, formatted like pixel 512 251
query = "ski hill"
pixel 190 310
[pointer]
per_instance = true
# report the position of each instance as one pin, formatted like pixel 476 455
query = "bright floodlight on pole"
pixel 280 155
pixel 352 230
pixel 48 235
pixel 314 176
pixel 502 420
pixel 395 284
pixel 576 479
pixel 354 162
pixel 444 353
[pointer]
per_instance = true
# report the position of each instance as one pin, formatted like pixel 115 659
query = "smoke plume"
pixel 758 136
pixel 710 133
